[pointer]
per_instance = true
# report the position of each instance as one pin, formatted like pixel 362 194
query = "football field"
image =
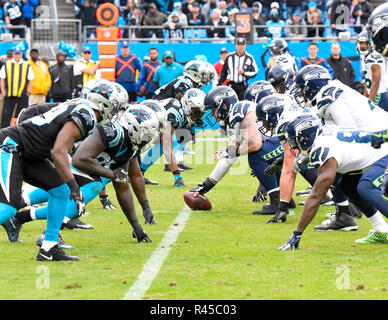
pixel 226 253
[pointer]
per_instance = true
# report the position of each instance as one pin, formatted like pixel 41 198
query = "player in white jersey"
pixel 347 152
pixel 374 71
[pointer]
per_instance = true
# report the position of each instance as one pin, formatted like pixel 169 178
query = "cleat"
pixel 339 222
pixel 280 215
pixel 292 204
pixel 13 226
pixel 54 254
pixel 374 237
pixel 326 201
pixel 150 182
pixel 62 244
pixel 268 209
pixel 189 152
pixel 77 224
pixel 354 211
pixel 304 193
pixel 183 167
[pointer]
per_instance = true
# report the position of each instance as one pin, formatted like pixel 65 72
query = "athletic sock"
pixel 378 222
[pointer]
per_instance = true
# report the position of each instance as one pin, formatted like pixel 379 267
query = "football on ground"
pixel 199 202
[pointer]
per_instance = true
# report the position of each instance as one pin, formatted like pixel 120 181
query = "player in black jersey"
pixel 25 151
pixel 116 144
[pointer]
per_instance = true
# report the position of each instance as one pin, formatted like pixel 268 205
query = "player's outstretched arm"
pixel 326 176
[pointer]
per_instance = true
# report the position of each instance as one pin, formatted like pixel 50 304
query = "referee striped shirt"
pixel 234 62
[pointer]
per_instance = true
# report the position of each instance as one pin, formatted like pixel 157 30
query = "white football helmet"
pixel 105 96
pixel 89 85
pixel 208 74
pixel 146 127
pixel 194 70
pixel 160 112
pixel 122 94
pixel 193 103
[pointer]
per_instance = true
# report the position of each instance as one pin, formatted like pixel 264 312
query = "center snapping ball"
pixel 199 202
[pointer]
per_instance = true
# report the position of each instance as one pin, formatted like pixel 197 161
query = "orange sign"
pixel 107 14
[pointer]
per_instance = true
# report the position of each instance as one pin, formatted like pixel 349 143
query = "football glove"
pixel 229 152
pixel 77 196
pixel 274 167
pixel 205 187
pixel 120 175
pixel 261 194
pixel 299 162
pixel 141 236
pixel 293 242
pixel 281 213
pixel 378 138
pixel 385 186
pixel 106 204
pixel 178 181
pixel 149 216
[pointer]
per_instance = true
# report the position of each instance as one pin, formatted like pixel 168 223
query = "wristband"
pixel 283 205
pixel 232 151
pixel 73 185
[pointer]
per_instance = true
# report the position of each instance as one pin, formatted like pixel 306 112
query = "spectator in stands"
pixel 150 67
pixel 62 79
pixel 127 67
pixel 187 6
pixel 232 5
pixel 223 6
pixel 195 17
pixel 246 4
pixel 13 16
pixel 84 69
pixel 29 11
pixel 181 15
pixel 312 29
pixel 258 19
pixel 275 5
pixel 274 25
pixel 342 67
pixel 352 20
pixel 165 6
pixel 168 71
pixel 129 10
pixel 137 19
pixel 218 65
pixel 208 8
pixel 88 16
pixel 339 19
pixel 311 8
pixel 361 13
pixel 154 18
pixel 174 26
pixel 216 21
pixel 42 79
pixel 293 6
pixel 295 27
pixel 313 58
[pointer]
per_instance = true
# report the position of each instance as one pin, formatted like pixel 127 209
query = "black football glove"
pixel 147 213
pixel 281 213
pixel 77 196
pixel 378 138
pixel 120 175
pixel 261 194
pixel 274 167
pixel 205 187
pixel 106 204
pixel 141 236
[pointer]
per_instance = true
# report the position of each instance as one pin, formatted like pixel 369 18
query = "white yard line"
pixel 155 262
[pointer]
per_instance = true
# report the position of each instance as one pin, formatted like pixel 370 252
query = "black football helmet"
pixel 278 47
pixel 220 99
pixel 281 76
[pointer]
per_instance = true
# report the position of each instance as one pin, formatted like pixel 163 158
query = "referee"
pixel 238 68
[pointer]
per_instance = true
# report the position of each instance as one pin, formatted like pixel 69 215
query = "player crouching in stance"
pixel 347 152
pixel 244 138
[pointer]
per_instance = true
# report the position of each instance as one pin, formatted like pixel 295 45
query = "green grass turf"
pixel 226 253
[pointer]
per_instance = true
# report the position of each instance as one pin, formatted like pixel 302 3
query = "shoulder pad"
pixel 110 134
pixel 318 156
pixel 329 95
pixel 84 118
pixel 239 111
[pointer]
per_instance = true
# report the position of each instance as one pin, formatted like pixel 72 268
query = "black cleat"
pixel 106 203
pixel 326 201
pixel 62 244
pixel 77 224
pixel 183 167
pixel 340 222
pixel 354 211
pixel 280 215
pixel 13 226
pixel 141 237
pixel 267 210
pixel 54 254
pixel 150 182
pixel 292 204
